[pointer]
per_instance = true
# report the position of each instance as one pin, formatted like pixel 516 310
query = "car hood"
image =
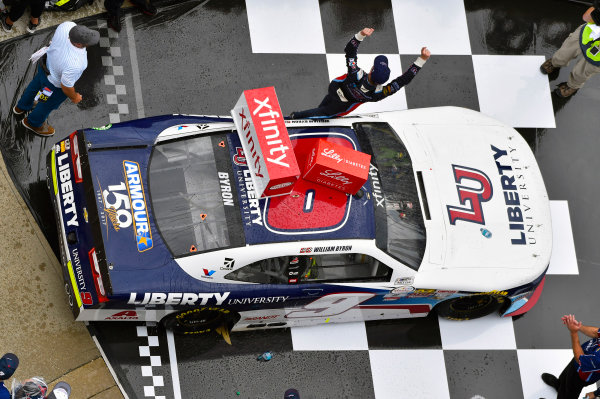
pixel 489 210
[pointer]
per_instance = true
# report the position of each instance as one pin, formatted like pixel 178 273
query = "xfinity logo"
pixel 379 200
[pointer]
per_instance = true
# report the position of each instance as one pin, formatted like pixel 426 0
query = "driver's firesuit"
pixel 350 90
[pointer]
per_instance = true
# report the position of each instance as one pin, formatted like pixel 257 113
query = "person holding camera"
pixel 584 41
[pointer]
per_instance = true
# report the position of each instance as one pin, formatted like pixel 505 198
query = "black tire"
pixel 470 306
pixel 198 321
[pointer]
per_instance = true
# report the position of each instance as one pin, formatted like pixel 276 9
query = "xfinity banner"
pixel 265 141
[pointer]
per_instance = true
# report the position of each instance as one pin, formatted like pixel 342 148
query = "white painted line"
pixel 173 362
pixel 137 86
pixel 112 372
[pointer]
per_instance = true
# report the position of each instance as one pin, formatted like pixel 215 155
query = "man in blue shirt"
pixel 8 364
pixel 584 370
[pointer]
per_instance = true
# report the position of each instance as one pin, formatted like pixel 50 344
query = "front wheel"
pixel 198 321
pixel 469 307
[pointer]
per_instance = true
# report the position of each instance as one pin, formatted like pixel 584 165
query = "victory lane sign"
pixel 266 143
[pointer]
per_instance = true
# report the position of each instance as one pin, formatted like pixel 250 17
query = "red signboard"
pixel 267 146
pixel 338 167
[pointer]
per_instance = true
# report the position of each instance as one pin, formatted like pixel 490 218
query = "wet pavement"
pixel 197 56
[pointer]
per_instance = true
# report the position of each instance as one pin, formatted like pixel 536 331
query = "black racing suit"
pixel 348 91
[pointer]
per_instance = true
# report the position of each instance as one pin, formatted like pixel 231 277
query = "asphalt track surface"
pixel 197 56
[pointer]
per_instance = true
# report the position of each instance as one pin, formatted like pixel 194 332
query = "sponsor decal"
pixel 177 298
pixel 228 264
pixel 76 262
pixel 125 315
pixel 66 190
pixel 377 193
pixel 474 188
pixel 226 193
pixel 404 281
pixel 306 250
pixel 262 317
pixel 262 299
pixel 512 180
pixel 403 289
pixel 421 293
pixel 137 198
pixel 265 140
pixel 239 158
pixel 492 293
pixel 334 175
pixel 443 294
pixel 105 127
pixel 207 273
pixel 85 215
pixel 251 212
pixel 282 185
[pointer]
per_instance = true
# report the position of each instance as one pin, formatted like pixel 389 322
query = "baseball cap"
pixel 62 390
pixel 381 71
pixel 84 35
pixel 8 364
pixel 291 394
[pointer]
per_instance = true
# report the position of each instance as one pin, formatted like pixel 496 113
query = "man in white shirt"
pixel 56 75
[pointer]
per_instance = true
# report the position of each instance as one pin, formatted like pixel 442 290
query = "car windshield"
pixel 191 210
pixel 400 230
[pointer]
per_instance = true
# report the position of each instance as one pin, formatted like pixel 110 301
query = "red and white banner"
pixel 337 167
pixel 267 146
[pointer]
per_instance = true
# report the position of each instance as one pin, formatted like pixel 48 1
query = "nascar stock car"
pixel 159 220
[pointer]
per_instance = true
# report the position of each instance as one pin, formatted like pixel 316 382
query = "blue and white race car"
pixel 159 221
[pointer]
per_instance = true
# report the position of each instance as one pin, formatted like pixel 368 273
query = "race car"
pixel 159 220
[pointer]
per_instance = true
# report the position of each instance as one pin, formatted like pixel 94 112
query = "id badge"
pixel 43 95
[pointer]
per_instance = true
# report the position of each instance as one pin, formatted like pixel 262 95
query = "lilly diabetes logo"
pixel 141 224
pixel 474 188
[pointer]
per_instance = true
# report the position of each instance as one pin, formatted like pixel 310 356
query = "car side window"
pixel 313 269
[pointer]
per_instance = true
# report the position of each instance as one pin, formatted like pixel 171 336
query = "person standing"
pixel 348 91
pixel 56 75
pixel 585 42
pixel 8 365
pixel 16 12
pixel 114 11
pixel 584 369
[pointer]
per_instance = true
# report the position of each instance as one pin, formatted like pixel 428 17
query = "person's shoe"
pixel 564 91
pixel 547 68
pixel 146 7
pixel 114 21
pixel 45 130
pixel 550 380
pixel 31 27
pixel 18 111
pixel 5 26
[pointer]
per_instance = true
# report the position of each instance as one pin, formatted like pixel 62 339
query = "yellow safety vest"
pixel 589 46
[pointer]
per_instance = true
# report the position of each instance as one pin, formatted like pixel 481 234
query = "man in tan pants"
pixel 585 42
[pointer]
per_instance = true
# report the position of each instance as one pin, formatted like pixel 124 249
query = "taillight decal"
pixel 75 157
pixel 97 278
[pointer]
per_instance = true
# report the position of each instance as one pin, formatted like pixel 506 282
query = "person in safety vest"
pixel 584 41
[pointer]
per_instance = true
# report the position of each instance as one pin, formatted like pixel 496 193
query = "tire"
pixel 470 306
pixel 198 321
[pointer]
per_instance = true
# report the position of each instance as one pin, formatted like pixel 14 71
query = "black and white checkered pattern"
pixel 414 358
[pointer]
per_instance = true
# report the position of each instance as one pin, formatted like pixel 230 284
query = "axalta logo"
pixel 178 298
pixel 135 187
pixel 125 315
pixel 474 188
pixel 66 190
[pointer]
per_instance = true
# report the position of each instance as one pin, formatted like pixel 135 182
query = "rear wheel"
pixel 469 307
pixel 199 320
